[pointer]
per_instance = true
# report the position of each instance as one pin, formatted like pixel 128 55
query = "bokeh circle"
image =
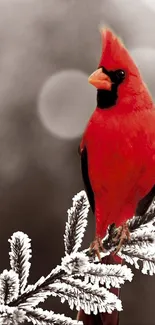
pixel 66 102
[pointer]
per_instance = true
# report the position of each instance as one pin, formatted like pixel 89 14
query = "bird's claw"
pixel 96 247
pixel 122 236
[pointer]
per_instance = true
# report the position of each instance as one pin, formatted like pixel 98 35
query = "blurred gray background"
pixel 47 50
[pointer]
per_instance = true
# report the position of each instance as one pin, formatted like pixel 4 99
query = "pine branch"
pixel 39 316
pixel 11 315
pixel 76 224
pixel 144 253
pixel 75 263
pixel 108 275
pixel 88 297
pixel 38 292
pixel 19 257
pixel 80 278
pixel 9 286
pixel 82 291
pixel 138 221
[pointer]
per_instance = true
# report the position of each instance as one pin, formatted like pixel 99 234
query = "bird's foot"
pixel 122 236
pixel 96 247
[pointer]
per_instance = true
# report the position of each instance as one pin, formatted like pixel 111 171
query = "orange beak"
pixel 100 80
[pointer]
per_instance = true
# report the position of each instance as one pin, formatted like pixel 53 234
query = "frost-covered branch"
pixel 76 224
pixel 90 298
pixel 80 279
pixel 108 275
pixel 45 317
pixel 11 315
pixel 20 255
pixel 9 286
pixel 137 221
pixel 141 247
pixel 39 292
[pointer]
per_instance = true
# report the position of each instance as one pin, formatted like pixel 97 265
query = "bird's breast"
pixel 121 150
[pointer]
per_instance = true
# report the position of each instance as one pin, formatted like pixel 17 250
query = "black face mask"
pixel 108 98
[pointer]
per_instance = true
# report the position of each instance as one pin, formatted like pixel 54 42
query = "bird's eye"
pixel 120 74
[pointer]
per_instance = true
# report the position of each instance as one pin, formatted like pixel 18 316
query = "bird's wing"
pixel 85 175
pixel 144 204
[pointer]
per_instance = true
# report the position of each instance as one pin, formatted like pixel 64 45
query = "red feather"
pixel 114 55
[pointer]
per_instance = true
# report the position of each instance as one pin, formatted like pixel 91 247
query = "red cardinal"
pixel 118 146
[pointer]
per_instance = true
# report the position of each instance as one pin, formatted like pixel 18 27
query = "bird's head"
pixel 117 79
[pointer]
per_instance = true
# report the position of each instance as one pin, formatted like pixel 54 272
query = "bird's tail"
pixel 103 318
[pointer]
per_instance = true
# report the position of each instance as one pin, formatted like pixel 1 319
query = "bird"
pixel 117 149
pixel 118 145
